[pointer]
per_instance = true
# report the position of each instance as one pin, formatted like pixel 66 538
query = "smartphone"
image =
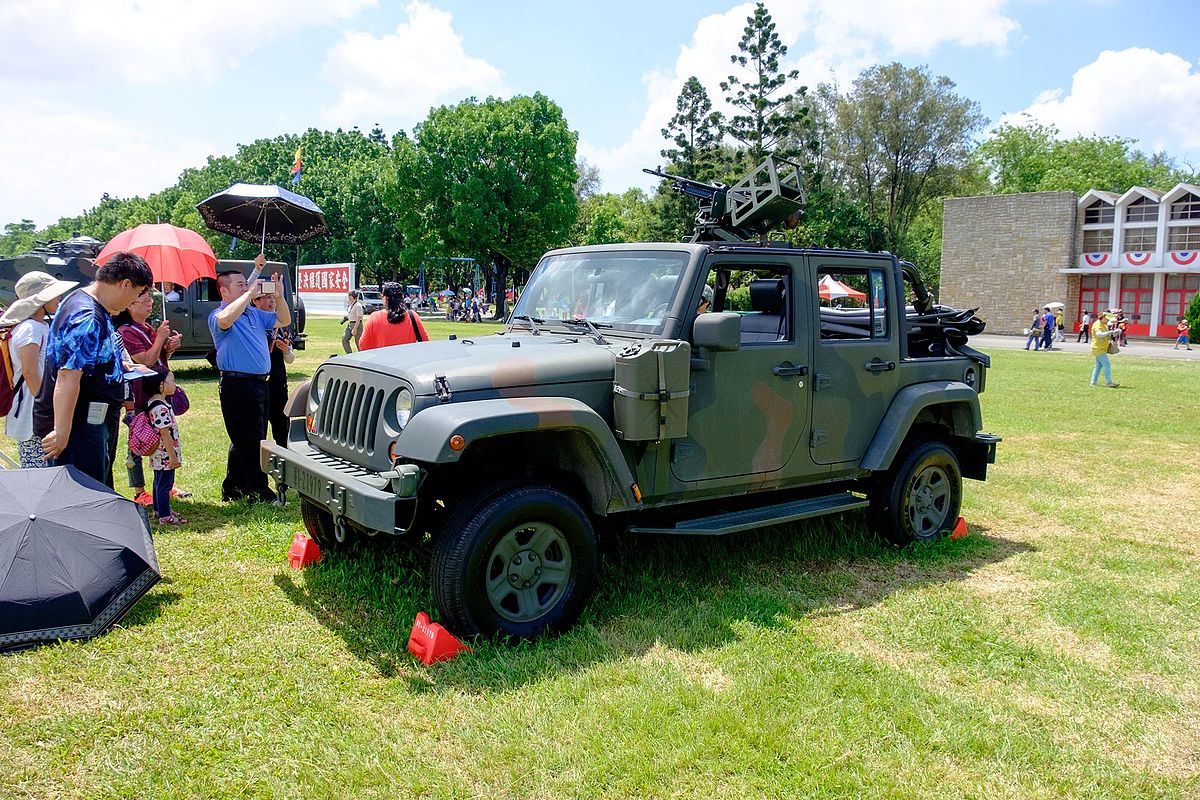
pixel 268 287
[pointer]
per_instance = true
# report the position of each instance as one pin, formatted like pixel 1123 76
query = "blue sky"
pixel 121 95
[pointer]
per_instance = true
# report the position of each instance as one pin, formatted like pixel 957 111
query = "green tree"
pixel 1033 158
pixel 900 139
pixel 491 180
pixel 695 132
pixel 1192 315
pixel 613 218
pixel 588 183
pixel 767 115
pixel 17 237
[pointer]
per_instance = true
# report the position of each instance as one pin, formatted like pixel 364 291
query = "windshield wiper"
pixel 591 326
pixel 533 323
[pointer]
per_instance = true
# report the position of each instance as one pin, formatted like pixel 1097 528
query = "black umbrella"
pixel 74 556
pixel 252 211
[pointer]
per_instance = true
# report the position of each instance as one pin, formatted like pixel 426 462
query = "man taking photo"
pixel 239 332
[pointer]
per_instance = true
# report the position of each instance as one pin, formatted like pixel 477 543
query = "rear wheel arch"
pixel 937 409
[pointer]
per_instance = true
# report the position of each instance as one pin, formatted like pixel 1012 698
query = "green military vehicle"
pixel 638 387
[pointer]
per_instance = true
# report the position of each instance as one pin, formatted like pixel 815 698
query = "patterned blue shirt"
pixel 81 337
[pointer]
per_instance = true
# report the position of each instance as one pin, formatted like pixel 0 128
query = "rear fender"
pixel 952 404
pixel 427 436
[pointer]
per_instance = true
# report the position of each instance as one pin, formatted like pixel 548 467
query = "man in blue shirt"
pixel 239 332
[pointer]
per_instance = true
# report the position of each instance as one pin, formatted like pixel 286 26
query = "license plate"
pixel 308 484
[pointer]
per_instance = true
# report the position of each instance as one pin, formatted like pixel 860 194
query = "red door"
pixel 1137 295
pixel 1093 296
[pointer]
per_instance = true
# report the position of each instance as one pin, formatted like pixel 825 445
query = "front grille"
pixel 349 415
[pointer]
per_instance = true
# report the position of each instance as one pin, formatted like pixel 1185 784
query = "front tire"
pixel 521 563
pixel 918 500
pixel 319 524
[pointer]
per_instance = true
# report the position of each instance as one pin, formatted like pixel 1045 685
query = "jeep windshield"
pixel 629 290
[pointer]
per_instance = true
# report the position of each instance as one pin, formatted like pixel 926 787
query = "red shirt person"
pixel 394 324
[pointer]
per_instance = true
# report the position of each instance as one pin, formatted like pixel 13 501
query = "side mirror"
pixel 718 331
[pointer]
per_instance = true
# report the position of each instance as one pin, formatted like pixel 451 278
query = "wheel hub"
pixel 524 568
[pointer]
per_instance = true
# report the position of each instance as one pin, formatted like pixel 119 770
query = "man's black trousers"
pixel 244 408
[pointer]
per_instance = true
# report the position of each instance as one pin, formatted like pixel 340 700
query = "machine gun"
pixel 768 196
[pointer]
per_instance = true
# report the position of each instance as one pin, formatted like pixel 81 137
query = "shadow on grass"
pixel 150 607
pixel 687 593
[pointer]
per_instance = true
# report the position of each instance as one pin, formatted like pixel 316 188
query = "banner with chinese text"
pixel 323 287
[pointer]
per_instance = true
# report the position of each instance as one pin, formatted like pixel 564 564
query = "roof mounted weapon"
pixel 768 196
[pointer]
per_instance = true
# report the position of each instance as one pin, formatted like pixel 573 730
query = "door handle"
pixel 784 371
pixel 877 366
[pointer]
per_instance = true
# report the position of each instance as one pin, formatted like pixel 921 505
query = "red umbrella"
pixel 174 254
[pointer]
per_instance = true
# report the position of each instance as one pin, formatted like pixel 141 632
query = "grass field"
pixel 1052 653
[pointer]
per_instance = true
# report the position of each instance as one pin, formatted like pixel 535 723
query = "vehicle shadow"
pixel 686 593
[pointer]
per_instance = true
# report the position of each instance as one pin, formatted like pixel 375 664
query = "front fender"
pixel 426 438
pixel 908 405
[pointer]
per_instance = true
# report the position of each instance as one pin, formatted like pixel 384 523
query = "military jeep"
pixel 699 388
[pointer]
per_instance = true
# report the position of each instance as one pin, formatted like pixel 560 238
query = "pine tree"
pixel 768 117
pixel 695 130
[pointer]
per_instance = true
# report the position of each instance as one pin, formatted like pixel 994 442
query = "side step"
pixel 732 522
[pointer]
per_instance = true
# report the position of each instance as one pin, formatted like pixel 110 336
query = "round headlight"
pixel 404 404
pixel 318 387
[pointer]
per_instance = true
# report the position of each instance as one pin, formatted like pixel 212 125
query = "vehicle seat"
pixel 767 322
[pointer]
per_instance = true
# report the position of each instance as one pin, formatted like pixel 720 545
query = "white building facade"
pixel 1138 252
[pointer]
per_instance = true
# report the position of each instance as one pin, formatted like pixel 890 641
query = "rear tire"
pixel 522 563
pixel 918 500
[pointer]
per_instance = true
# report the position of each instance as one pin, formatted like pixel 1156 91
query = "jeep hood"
pixel 489 362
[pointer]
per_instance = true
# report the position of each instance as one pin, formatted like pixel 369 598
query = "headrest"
pixel 766 295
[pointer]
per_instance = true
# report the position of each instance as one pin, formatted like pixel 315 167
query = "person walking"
pixel 1047 328
pixel 353 321
pixel 1183 334
pixel 1059 319
pixel 1034 331
pixel 83 385
pixel 394 324
pixel 280 343
pixel 1101 336
pixel 239 332
pixel 38 294
pixel 1085 323
pixel 150 347
pixel 168 458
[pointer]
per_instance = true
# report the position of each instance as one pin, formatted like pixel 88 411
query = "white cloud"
pixel 142 42
pixel 93 154
pixel 1136 93
pixel 845 39
pixel 400 75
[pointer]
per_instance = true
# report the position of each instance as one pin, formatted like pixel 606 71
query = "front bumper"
pixel 369 499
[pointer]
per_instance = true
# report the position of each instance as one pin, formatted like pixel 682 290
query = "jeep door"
pixel 189 314
pixel 749 408
pixel 854 367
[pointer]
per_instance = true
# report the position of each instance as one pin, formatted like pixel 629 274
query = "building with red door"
pixel 1137 251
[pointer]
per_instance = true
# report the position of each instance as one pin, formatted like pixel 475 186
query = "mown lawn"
pixel 1052 653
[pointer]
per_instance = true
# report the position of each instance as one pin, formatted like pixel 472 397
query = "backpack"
pixel 144 438
pixel 8 390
